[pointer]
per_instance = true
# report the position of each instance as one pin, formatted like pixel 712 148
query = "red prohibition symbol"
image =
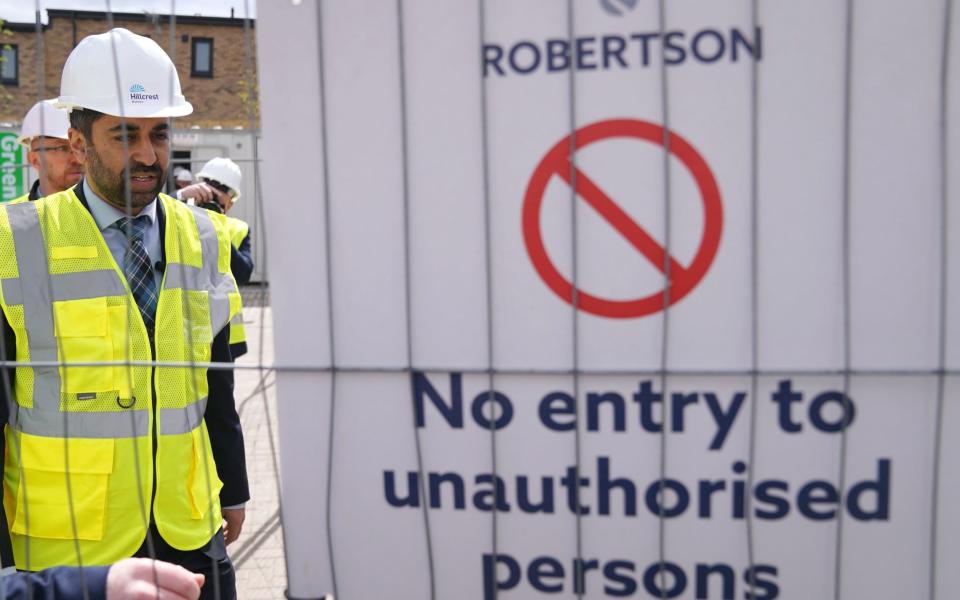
pixel 682 278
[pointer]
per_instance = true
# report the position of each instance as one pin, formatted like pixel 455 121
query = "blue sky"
pixel 22 11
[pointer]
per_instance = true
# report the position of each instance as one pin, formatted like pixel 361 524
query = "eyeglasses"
pixel 226 189
pixel 63 149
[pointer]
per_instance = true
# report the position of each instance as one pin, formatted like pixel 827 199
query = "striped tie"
pixel 139 270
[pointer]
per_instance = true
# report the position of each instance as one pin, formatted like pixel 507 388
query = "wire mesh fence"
pixel 259 554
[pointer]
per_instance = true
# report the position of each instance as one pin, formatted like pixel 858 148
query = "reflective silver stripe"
pixel 207 278
pixel 72 286
pixel 37 302
pixel 181 276
pixel 182 420
pixel 220 284
pixel 219 309
pixel 237 319
pixel 188 277
pixel 100 425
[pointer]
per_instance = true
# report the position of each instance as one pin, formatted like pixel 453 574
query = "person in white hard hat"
pixel 44 133
pixel 113 270
pixel 182 178
pixel 219 183
pixel 218 190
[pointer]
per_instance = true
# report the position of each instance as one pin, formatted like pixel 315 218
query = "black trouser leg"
pixel 211 561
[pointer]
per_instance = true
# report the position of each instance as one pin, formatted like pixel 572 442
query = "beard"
pixel 113 186
pixel 63 181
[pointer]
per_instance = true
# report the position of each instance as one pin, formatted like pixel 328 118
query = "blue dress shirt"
pixel 106 215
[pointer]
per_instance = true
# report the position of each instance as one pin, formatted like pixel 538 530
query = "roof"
pixel 119 17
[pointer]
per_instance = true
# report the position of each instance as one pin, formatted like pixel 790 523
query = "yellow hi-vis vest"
pixel 238 231
pixel 80 467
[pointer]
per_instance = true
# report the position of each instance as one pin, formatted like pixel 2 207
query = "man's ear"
pixel 34 159
pixel 78 143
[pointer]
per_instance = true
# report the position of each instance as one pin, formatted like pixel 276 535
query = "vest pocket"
pixel 204 483
pixel 81 330
pixel 42 495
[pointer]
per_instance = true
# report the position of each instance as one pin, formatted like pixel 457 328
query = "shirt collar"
pixel 35 191
pixel 106 214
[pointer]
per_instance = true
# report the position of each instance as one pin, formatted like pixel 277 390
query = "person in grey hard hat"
pixel 44 134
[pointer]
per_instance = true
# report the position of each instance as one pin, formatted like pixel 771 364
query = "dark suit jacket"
pixel 223 422
pixel 241 261
pixel 34 191
pixel 59 583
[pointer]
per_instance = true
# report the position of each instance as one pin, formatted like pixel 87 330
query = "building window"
pixel 202 63
pixel 9 67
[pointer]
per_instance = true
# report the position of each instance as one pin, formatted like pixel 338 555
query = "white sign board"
pixel 498 195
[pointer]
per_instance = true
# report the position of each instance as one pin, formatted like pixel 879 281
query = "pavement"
pixel 258 554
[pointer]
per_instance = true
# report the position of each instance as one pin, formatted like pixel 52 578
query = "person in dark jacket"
pixel 129 578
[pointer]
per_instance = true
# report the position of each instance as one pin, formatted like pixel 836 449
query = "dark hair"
pixel 82 120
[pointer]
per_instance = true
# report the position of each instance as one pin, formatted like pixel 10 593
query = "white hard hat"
pixel 148 86
pixel 184 175
pixel 44 119
pixel 223 170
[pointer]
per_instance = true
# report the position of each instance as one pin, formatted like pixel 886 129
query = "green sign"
pixel 12 180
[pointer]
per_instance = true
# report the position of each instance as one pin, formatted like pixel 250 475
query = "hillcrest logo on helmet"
pixel 138 95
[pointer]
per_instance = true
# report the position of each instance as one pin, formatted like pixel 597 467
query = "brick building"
pixel 215 69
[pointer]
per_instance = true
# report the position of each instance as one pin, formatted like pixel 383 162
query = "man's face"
pixel 53 159
pixel 105 158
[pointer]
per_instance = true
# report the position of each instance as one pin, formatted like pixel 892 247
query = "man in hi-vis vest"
pixel 218 190
pixel 107 462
